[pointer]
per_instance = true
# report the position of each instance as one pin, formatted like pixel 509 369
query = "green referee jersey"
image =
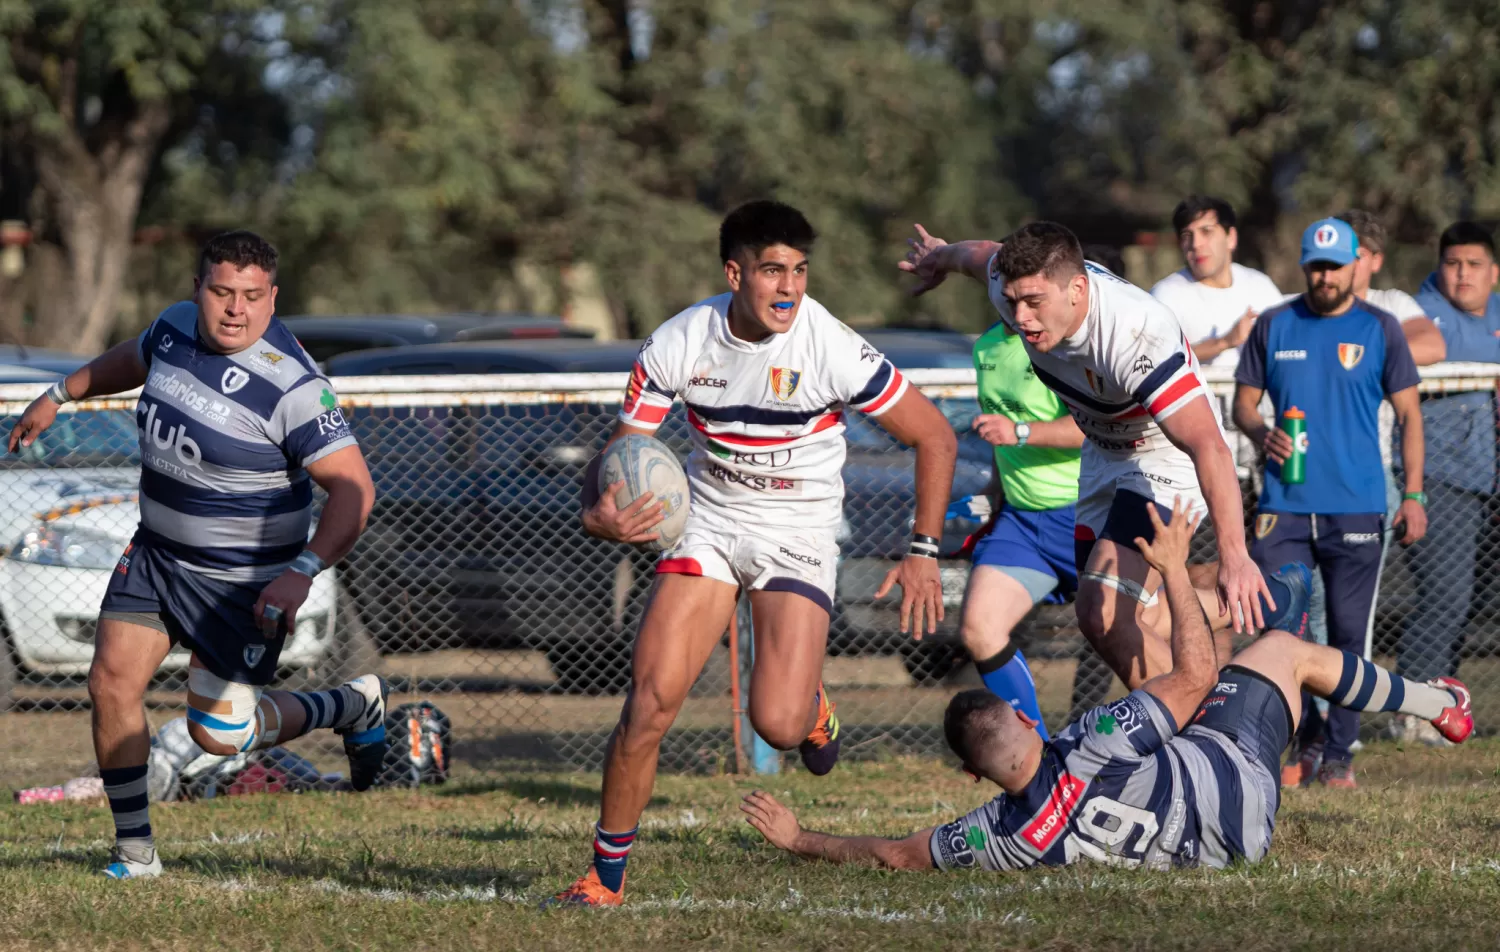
pixel 1033 477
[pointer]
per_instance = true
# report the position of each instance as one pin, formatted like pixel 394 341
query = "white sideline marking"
pixel 793 903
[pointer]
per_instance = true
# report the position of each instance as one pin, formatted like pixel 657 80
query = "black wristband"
pixel 919 537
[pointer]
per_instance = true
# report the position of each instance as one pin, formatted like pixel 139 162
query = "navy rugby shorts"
pixel 214 619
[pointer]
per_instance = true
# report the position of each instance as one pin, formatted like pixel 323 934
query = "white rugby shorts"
pixel 756 558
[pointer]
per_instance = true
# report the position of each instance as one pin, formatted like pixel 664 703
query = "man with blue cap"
pixel 1335 358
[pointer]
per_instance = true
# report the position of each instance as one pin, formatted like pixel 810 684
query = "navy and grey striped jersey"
pixel 225 439
pixel 1121 786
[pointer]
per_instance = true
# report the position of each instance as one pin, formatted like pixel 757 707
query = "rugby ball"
pixel 647 465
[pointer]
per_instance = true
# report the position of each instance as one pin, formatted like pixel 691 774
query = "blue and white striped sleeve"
pixel 309 424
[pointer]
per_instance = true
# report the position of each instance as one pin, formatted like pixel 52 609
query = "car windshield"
pixel 86 438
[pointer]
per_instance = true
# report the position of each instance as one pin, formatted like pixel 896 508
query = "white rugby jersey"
pixel 1126 369
pixel 766 417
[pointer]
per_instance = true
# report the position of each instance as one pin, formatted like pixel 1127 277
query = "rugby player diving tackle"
pixel 1183 771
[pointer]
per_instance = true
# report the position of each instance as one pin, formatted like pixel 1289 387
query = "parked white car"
pixel 67 509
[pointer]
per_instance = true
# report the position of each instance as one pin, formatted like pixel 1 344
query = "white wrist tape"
pixel 58 393
pixel 308 563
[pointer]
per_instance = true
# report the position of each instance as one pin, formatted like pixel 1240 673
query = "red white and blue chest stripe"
pixel 766 416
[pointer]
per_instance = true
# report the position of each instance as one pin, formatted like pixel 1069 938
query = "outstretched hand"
pixel 924 259
pixel 774 821
pixel 1168 551
pixel 921 593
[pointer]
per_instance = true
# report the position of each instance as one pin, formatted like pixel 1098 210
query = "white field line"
pixel 793 903
pixel 967 898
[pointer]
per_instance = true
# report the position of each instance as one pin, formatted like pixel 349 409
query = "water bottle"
pixel 1294 424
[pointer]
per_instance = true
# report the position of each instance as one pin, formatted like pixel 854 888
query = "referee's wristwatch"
pixel 1420 498
pixel 1023 433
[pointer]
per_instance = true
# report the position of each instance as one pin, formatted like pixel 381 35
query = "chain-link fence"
pixel 475 587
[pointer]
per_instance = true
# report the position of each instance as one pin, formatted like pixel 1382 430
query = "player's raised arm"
pixel 780 828
pixel 933 259
pixel 1194 665
pixel 915 421
pixel 116 370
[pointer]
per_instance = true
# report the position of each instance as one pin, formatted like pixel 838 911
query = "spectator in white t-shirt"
pixel 1215 299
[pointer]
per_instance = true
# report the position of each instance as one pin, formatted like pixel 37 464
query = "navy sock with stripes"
pixel 336 708
pixel 1368 687
pixel 611 852
pixel 126 789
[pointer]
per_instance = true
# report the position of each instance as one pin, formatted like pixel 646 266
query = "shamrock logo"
pixel 1106 724
pixel 974 838
pixel 329 400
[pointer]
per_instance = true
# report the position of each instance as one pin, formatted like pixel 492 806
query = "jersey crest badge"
pixel 1264 523
pixel 253 654
pixel 234 378
pixel 1350 355
pixel 784 382
pixel 1096 383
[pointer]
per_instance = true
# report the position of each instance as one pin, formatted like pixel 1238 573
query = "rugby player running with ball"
pixel 767 374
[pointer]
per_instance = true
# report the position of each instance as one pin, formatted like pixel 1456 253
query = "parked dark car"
pixel 510 357
pixel 327 337
pixel 475 537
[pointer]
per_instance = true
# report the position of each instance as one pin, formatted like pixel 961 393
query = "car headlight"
pixel 71 548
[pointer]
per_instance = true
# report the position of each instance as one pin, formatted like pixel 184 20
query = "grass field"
pixel 1408 862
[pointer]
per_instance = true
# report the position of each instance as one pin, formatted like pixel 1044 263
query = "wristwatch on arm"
pixel 1023 433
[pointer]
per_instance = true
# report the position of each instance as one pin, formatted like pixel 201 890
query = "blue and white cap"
pixel 1332 240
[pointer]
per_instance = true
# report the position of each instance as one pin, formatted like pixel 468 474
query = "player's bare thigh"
pixel 994 603
pixel 791 640
pixel 684 619
pixel 1285 659
pixel 1113 616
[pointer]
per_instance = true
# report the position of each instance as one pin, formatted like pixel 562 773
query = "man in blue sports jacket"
pixel 1461 471
pixel 1335 357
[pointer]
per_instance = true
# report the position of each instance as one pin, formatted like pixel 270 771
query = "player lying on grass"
pixel 1122 785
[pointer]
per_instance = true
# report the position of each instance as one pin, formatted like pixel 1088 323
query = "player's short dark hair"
pixel 1107 255
pixel 1368 228
pixel 1466 233
pixel 241 249
pixel 1193 207
pixel 756 226
pixel 971 714
pixel 1042 247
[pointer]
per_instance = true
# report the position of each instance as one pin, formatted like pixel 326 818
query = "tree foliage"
pixel 445 154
